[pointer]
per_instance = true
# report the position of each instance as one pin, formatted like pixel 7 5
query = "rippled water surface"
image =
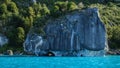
pixel 60 62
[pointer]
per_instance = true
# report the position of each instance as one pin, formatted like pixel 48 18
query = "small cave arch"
pixel 49 54
pixel 81 55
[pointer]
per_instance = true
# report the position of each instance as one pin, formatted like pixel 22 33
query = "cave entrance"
pixel 50 54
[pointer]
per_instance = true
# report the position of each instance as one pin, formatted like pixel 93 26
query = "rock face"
pixel 80 33
pixel 3 40
pixel 9 52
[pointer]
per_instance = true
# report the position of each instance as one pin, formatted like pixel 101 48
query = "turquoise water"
pixel 60 62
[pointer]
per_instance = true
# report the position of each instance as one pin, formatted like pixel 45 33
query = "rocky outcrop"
pixel 9 52
pixel 113 52
pixel 80 33
pixel 3 40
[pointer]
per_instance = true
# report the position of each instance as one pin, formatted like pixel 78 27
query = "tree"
pixel 13 8
pixel 3 8
pixel 3 16
pixel 113 36
pixel 72 6
pixel 31 12
pixel 20 35
pixel 7 1
pixel 28 24
pixel 56 8
pixel 15 21
pixel 45 10
pixel 62 6
pixel 55 11
pixel 116 34
pixel 37 8
pixel 80 5
pixel 16 37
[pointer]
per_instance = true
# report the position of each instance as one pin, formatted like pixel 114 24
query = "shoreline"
pixel 113 52
pixel 52 56
pixel 24 54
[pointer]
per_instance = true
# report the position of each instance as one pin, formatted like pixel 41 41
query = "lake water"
pixel 60 62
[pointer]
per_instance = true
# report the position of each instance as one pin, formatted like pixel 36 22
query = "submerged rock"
pixel 3 40
pixel 80 33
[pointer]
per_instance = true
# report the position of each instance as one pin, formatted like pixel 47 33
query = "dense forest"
pixel 17 17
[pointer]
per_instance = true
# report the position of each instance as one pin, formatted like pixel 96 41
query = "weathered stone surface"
pixel 9 52
pixel 75 34
pixel 3 40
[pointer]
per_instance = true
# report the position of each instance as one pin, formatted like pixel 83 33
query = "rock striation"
pixel 80 33
pixel 3 40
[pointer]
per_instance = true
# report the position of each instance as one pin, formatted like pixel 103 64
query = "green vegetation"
pixel 18 16
pixel 110 15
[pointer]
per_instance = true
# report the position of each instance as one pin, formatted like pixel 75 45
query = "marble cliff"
pixel 79 33
pixel 3 40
